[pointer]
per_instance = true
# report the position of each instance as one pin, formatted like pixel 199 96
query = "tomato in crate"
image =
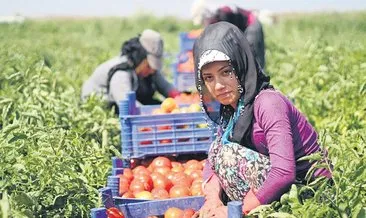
pixel 113 212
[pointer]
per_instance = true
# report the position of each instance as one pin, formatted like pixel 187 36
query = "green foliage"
pixel 52 151
pixel 55 150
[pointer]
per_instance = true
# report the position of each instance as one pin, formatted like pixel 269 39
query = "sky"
pixel 179 8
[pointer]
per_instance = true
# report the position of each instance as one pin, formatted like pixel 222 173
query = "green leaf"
pixel 4 205
pixel 284 198
pixel 361 213
pixel 259 209
pixel 343 206
pixel 28 213
pixel 311 157
pixel 59 201
pixel 17 136
pixel 293 194
pixel 10 128
pixel 281 215
pixel 24 199
pixel 19 167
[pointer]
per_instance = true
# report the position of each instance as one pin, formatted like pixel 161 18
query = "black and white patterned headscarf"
pixel 226 38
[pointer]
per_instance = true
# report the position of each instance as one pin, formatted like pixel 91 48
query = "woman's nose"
pixel 219 85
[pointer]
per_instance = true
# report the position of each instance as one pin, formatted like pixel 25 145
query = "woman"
pixel 261 134
pixel 136 69
pixel 205 13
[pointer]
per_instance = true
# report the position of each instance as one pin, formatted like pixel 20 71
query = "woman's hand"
pixel 212 191
pixel 220 212
pixel 211 204
pixel 250 201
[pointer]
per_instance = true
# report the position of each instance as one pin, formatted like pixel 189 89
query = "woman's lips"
pixel 225 94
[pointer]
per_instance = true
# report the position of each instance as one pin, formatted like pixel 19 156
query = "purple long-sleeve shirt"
pixel 283 133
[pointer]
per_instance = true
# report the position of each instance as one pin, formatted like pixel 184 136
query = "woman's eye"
pixel 227 72
pixel 207 78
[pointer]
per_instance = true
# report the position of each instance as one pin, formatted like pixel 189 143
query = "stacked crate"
pixel 184 77
pixel 146 208
pixel 142 136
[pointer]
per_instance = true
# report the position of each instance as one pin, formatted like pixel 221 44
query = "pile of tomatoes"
pixel 162 178
pixel 172 212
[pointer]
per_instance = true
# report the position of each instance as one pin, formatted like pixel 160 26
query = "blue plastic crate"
pixel 98 212
pixel 184 81
pixel 166 134
pixel 145 208
pixel 151 135
pixel 186 42
pixel 158 207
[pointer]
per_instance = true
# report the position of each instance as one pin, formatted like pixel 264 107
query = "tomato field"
pixel 55 151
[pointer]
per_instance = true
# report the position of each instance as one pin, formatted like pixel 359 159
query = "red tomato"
pixel 136 186
pixel 146 180
pixel 155 174
pixel 128 194
pixel 182 126
pixel 183 140
pixel 113 212
pixel 196 174
pixel 179 191
pixel 181 178
pixel 162 128
pixel 161 181
pixel 178 168
pixel 194 34
pixel 145 129
pixel 170 175
pixel 165 141
pixel 188 171
pixel 124 184
pixel 144 195
pixel 173 212
pixel 150 168
pixel 162 170
pixel 175 164
pixel 161 162
pixel 160 193
pixel 127 172
pixel 193 164
pixel 188 213
pixel 197 181
pixel 196 189
pixel 203 163
pixel 140 170
pixel 146 143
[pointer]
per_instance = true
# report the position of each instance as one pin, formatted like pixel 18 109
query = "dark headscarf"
pixel 135 53
pixel 228 39
pixel 227 14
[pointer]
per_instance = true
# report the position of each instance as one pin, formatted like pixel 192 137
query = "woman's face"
pixel 144 69
pixel 221 82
